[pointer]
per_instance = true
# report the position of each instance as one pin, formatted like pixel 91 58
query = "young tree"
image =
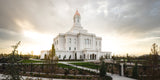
pixel 103 69
pixel 101 59
pixel 51 60
pixel 112 71
pixel 52 53
pixel 153 62
pixel 128 59
pixel 135 71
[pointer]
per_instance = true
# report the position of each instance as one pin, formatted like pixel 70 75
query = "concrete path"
pixel 114 76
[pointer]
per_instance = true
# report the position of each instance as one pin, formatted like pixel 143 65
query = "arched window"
pixel 75 56
pixel 78 20
pixel 69 48
pixel 80 56
pixel 94 56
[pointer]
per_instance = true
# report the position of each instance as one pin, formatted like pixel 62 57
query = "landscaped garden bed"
pixel 62 71
pixel 63 76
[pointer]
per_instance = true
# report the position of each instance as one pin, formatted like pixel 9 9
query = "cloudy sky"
pixel 126 26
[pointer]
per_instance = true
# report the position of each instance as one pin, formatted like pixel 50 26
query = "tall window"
pixel 87 41
pixel 69 48
pixel 96 43
pixel 78 20
pixel 75 48
pixel 75 41
pixel 69 40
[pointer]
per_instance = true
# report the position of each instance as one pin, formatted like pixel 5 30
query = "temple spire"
pixel 77 13
pixel 77 19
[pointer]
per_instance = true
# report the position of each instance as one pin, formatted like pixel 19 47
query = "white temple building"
pixel 77 43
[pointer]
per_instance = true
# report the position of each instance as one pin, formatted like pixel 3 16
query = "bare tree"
pixel 153 62
pixel 13 72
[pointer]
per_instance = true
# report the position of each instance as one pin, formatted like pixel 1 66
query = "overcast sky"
pixel 126 26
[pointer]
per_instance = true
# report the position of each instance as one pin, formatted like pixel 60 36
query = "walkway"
pixel 114 76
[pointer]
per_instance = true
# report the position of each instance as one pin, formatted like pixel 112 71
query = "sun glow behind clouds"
pixel 121 45
pixel 114 44
pixel 43 41
pixel 39 41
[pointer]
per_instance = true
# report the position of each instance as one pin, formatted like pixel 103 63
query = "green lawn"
pixel 30 61
pixel 87 64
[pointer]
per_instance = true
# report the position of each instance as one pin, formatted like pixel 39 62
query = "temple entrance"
pixel 92 56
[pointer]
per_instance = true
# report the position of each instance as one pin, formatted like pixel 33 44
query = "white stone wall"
pixel 98 44
pixel 61 43
pixel 68 43
pixel 71 42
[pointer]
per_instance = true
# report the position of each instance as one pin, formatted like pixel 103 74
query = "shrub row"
pixel 61 76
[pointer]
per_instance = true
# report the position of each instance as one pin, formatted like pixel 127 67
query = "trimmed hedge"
pixel 62 76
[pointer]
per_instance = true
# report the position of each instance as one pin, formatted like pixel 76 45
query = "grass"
pixel 30 61
pixel 87 64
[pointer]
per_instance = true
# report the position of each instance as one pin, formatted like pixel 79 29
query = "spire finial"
pixel 77 13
